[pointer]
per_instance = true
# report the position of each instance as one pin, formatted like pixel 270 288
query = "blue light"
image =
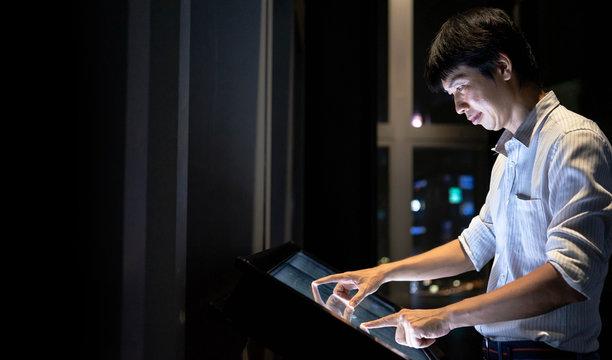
pixel 420 184
pixel 467 208
pixel 418 230
pixel 466 182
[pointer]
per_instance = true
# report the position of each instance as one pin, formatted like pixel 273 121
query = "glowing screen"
pixel 300 270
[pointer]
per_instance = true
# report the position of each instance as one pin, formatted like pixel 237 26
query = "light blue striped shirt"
pixel 550 201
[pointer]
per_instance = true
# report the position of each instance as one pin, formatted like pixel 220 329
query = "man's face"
pixel 483 100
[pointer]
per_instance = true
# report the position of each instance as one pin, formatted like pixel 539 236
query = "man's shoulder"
pixel 562 122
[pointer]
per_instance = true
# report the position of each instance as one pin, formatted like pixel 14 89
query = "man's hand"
pixel 366 281
pixel 414 328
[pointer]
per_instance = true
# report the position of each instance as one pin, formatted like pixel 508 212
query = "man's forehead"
pixel 460 72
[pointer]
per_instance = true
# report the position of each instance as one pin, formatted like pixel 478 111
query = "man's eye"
pixel 459 88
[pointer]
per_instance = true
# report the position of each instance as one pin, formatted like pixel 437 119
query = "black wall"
pixel 341 72
pixel 131 86
pixel 223 108
pixel 568 40
pixel 100 139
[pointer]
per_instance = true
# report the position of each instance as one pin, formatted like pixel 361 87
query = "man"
pixel 547 220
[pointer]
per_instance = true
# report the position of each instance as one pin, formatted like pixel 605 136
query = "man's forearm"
pixel 446 260
pixel 537 293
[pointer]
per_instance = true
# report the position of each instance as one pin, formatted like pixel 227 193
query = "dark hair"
pixel 475 38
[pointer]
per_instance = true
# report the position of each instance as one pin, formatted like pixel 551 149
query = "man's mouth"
pixel 475 119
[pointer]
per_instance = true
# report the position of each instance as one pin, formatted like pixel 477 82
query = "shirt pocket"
pixel 531 225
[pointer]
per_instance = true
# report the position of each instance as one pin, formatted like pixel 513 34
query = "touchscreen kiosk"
pixel 275 303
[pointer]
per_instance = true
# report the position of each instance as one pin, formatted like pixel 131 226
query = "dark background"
pixel 165 136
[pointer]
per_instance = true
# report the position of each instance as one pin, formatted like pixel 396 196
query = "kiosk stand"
pixel 273 303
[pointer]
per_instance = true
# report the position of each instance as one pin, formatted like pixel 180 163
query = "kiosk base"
pixel 273 304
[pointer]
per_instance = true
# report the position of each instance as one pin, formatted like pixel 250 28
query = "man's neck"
pixel 527 97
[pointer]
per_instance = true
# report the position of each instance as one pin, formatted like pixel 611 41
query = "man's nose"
pixel 460 105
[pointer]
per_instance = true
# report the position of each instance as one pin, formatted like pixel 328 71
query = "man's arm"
pixel 539 292
pixel 536 293
pixel 443 261
pixel 446 260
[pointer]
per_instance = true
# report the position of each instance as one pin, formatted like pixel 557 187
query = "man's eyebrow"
pixel 452 78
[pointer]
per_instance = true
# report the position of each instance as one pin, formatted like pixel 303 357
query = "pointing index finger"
pixel 389 320
pixel 330 279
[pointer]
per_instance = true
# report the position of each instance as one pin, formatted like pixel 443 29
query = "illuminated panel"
pixel 300 270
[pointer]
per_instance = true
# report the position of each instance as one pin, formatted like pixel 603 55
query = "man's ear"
pixel 504 66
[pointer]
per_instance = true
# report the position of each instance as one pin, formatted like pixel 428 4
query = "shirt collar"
pixel 525 132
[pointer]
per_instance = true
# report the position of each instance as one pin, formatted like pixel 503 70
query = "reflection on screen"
pixel 299 271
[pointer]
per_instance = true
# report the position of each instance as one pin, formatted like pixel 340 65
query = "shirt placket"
pixel 510 183
pixel 512 160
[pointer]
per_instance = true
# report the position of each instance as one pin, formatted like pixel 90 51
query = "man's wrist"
pixel 457 315
pixel 387 272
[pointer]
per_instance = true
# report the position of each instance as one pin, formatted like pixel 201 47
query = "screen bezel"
pixel 268 260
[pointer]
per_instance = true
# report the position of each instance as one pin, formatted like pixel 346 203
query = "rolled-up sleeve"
pixel 579 240
pixel 478 239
